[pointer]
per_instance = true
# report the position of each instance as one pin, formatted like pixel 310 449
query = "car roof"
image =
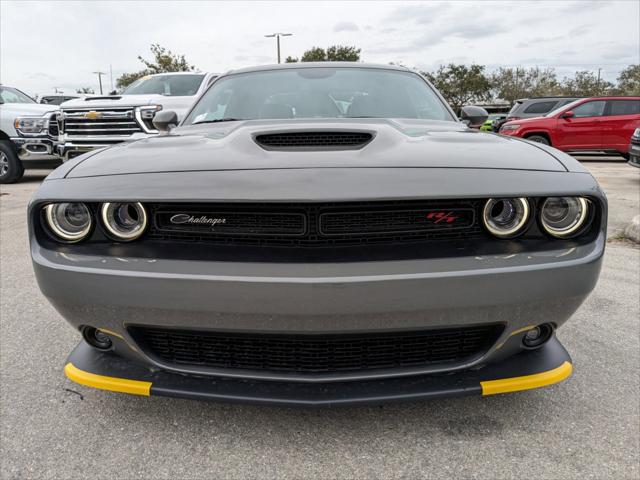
pixel 287 66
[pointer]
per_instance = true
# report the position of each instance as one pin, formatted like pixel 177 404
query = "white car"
pixel 101 121
pixel 28 134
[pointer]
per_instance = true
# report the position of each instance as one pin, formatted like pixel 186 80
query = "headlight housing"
pixel 506 217
pixel 124 221
pixel 31 125
pixel 145 115
pixel 68 221
pixel 507 127
pixel 564 216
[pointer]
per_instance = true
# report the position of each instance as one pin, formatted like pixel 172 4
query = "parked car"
pixel 58 98
pixel 278 248
pixel 28 134
pixel 634 148
pixel 536 106
pixel 487 126
pixel 590 124
pixel 101 121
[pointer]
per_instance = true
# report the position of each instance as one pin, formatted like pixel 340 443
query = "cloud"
pixel 345 27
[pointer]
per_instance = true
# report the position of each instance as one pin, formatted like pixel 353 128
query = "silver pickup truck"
pixel 28 134
pixel 102 121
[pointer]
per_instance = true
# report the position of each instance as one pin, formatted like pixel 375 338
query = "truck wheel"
pixel 11 168
pixel 539 139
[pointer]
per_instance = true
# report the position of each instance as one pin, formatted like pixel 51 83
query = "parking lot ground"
pixel 585 427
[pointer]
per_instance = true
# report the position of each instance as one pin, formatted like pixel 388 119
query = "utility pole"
pixel 278 35
pixel 111 76
pixel 100 79
pixel 598 84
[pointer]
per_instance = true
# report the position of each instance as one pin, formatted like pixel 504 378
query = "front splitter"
pixel 527 370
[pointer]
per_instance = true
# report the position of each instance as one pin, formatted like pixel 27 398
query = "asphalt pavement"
pixel 585 427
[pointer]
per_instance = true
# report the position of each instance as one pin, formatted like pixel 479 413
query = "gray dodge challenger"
pixel 318 234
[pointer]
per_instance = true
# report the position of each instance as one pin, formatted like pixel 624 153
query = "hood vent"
pixel 314 140
pixel 111 97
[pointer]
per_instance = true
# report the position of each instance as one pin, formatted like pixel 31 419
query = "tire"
pixel 539 139
pixel 626 156
pixel 11 168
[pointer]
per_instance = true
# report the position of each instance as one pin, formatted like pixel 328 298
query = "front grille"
pixel 118 122
pixel 313 140
pixel 312 354
pixel 316 224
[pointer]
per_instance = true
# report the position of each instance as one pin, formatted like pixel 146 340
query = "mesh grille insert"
pixel 313 140
pixel 307 353
pixel 316 224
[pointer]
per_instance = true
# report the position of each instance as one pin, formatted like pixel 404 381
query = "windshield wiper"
pixel 219 120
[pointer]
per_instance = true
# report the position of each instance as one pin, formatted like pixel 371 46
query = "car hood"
pixel 26 109
pixel 177 104
pixel 395 144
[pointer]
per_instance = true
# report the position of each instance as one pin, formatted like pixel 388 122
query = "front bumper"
pixel 71 147
pixel 517 290
pixel 527 370
pixel 36 148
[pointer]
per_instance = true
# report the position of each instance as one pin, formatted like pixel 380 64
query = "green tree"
pixel 512 83
pixel 586 84
pixel 334 53
pixel 163 61
pixel 461 84
pixel 343 53
pixel 629 81
pixel 85 90
pixel 314 54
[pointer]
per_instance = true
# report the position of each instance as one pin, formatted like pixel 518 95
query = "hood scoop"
pixel 110 97
pixel 313 140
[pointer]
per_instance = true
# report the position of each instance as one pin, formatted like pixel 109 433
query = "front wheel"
pixel 11 168
pixel 539 139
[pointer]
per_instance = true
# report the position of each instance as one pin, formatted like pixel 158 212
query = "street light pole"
pixel 278 35
pixel 100 79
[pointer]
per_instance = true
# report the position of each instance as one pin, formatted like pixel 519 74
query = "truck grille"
pixel 316 224
pixel 114 122
pixel 312 353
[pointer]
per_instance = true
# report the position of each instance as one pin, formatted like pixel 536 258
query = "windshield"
pixel 319 92
pixel 11 95
pixel 566 106
pixel 169 85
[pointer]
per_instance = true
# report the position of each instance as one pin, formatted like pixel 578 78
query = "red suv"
pixel 599 123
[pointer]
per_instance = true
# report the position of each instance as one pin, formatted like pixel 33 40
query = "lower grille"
pixel 300 353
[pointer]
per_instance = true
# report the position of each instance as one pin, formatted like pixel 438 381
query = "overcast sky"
pixel 58 44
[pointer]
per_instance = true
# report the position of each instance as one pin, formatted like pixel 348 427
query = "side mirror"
pixel 473 116
pixel 568 114
pixel 165 120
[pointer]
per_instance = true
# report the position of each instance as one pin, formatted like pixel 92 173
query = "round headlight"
pixel 505 217
pixel 70 222
pixel 124 221
pixel 564 216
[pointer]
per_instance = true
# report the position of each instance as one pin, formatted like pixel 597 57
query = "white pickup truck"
pixel 28 134
pixel 101 121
